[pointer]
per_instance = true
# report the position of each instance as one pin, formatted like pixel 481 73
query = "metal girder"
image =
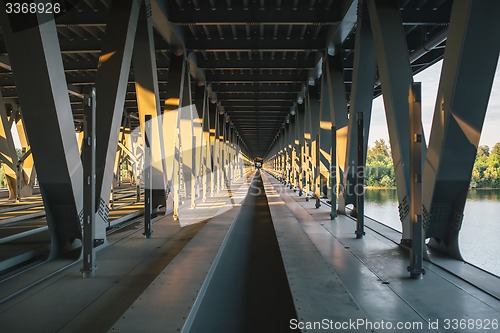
pixel 238 15
pixel 170 33
pixel 111 86
pixel 257 76
pixel 416 230
pixel 212 111
pixel 89 188
pixel 462 99
pixel 148 174
pixel 5 63
pixel 434 17
pixel 262 88
pixel 243 62
pixel 396 79
pixel 266 44
pixel 174 92
pixel 338 109
pixel 83 18
pixel 258 103
pixel 361 101
pixel 35 49
pixel 256 95
pixel 148 102
pixel 8 154
pixel 338 33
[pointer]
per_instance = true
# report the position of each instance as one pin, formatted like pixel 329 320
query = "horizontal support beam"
pixel 258 104
pixel 287 14
pixel 263 88
pixel 258 77
pixel 247 96
pixel 266 63
pixel 266 44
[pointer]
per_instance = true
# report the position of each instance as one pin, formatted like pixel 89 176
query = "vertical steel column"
pixel 301 138
pixel 359 189
pixel 464 90
pixel 416 232
pixel 28 167
pixel 8 155
pixel 89 184
pixel 212 115
pixel 333 174
pixel 206 156
pixel 307 145
pixel 314 94
pixel 148 176
pixel 317 175
pixel 324 136
pixel 291 131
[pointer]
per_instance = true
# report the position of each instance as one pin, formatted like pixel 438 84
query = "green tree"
pixel 379 165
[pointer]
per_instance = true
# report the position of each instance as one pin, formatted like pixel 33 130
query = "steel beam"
pixel 335 114
pixel 256 63
pixel 8 154
pixel 245 45
pixel 148 174
pixel 396 79
pixel 361 101
pixel 186 146
pixel 416 232
pixel 239 14
pixel 359 189
pixel 314 97
pixel 26 168
pixel 148 101
pixel 212 115
pixel 111 86
pixel 463 94
pixel 34 48
pixel 170 125
pixel 258 76
pixel 89 185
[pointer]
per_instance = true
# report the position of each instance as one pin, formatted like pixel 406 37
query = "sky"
pixel 430 82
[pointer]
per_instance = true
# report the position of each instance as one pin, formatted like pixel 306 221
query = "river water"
pixel 479 241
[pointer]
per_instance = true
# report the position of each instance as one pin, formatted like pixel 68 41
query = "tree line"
pixel 380 167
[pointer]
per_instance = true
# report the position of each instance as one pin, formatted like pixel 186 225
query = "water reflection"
pixel 381 196
pixel 478 240
pixel 484 194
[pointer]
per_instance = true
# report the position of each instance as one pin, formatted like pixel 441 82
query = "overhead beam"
pixel 262 88
pixel 258 77
pixel 267 63
pixel 243 94
pixel 338 33
pixel 238 15
pixel 295 44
